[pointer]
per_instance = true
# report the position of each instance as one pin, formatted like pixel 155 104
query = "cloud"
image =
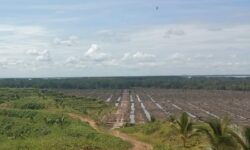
pixel 3 63
pixel 70 41
pixel 139 59
pixel 143 56
pixel 92 50
pixel 42 55
pixel 75 62
pixel 140 56
pixel 72 60
pixel 112 36
pixel 178 58
pixel 203 56
pixel 94 53
pixel 7 62
pixel 33 52
pixel 174 32
pixel 23 30
pixel 198 51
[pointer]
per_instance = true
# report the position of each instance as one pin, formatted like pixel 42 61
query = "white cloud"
pixel 176 56
pixel 140 56
pixel 143 56
pixel 174 32
pixel 3 63
pixel 94 53
pixel 23 30
pixel 203 56
pixel 33 52
pixel 75 62
pixel 8 63
pixel 139 59
pixel 72 40
pixel 191 48
pixel 42 55
pixel 72 60
pixel 92 50
pixel 112 36
pixel 178 59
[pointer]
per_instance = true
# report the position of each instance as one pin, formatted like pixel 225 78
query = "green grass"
pixel 163 136
pixel 32 119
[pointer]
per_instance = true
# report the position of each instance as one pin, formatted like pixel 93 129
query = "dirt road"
pixel 91 122
pixel 137 145
pixel 122 113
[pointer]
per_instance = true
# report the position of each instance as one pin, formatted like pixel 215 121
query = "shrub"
pixel 33 105
pixel 42 131
pixel 55 120
pixel 151 128
pixel 19 113
pixel 13 129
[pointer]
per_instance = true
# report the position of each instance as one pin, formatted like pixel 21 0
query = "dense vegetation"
pixel 184 133
pixel 164 135
pixel 32 119
pixel 173 82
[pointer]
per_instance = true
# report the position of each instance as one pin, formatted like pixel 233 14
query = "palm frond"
pixel 247 136
pixel 239 139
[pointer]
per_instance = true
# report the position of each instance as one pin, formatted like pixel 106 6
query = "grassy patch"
pixel 163 136
pixel 32 119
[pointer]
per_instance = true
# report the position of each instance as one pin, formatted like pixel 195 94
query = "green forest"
pixel 170 82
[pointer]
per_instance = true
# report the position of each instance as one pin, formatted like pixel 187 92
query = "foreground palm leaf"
pixel 185 127
pixel 244 140
pixel 219 134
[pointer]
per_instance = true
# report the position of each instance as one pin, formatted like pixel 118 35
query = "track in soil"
pixel 137 145
pixel 162 103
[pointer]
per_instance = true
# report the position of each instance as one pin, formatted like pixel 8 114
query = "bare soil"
pixel 137 145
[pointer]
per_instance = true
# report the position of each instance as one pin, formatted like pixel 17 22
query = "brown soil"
pixel 138 145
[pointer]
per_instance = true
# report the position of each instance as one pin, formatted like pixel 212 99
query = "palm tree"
pixel 219 134
pixel 243 140
pixel 185 127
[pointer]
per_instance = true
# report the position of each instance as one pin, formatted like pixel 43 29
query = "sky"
pixel 76 38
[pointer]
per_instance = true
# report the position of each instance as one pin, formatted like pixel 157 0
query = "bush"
pixel 151 128
pixel 19 113
pixel 33 105
pixel 10 128
pixel 42 131
pixel 55 120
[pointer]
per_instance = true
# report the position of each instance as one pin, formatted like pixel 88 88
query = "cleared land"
pixel 142 105
pixel 204 104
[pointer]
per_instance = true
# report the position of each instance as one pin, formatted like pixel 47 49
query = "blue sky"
pixel 52 38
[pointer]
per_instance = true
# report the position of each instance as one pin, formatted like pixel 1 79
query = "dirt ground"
pixel 137 145
pixel 162 103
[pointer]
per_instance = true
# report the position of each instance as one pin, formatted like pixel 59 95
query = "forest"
pixel 169 82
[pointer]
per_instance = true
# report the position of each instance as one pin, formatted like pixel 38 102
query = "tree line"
pixel 170 82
